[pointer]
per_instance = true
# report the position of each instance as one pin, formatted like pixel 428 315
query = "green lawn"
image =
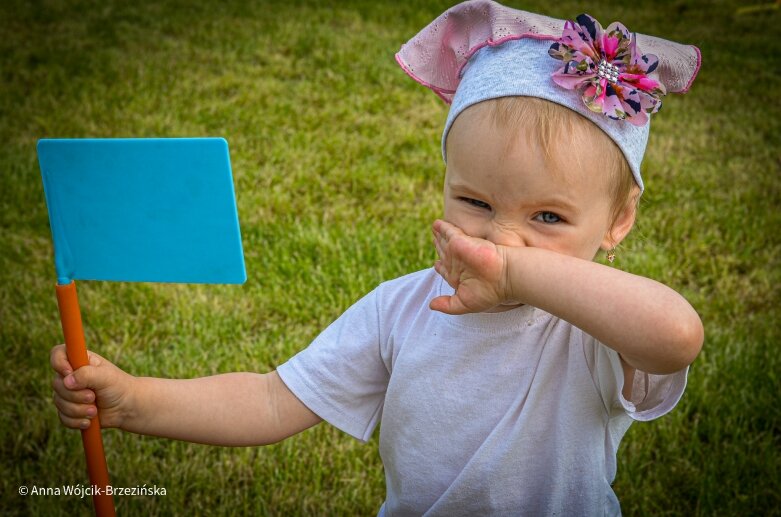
pixel 338 176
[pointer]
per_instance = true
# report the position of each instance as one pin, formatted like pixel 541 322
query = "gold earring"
pixel 611 255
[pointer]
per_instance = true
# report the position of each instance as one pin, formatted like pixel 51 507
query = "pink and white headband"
pixel 480 50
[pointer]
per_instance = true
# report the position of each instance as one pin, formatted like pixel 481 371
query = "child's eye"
pixel 476 202
pixel 548 218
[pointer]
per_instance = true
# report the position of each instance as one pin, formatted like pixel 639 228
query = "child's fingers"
pixel 81 396
pixel 74 423
pixel 452 279
pixel 439 304
pixel 95 359
pixel 74 417
pixel 439 228
pixel 59 360
pixel 438 247
pixel 437 237
pixel 74 410
pixel 439 268
pixel 446 230
pixel 448 305
pixel 75 402
pixel 443 230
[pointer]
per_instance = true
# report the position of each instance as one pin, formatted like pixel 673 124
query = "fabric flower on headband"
pixel 607 69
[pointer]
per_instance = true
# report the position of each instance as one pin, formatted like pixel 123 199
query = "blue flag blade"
pixel 142 210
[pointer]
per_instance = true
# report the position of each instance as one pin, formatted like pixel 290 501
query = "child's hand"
pixel 75 391
pixel 475 268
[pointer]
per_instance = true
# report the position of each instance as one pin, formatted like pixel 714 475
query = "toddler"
pixel 506 376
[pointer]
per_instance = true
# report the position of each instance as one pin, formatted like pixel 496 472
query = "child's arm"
pixel 652 327
pixel 233 409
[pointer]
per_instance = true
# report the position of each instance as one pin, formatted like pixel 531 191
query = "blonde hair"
pixel 556 128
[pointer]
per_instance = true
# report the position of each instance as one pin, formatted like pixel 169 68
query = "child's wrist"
pixel 516 266
pixel 529 273
pixel 129 411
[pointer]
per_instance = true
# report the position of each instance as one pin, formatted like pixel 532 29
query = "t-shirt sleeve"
pixel 652 395
pixel 341 375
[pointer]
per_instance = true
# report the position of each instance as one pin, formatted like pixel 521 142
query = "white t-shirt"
pixel 513 413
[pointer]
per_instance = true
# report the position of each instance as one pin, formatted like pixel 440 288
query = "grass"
pixel 338 175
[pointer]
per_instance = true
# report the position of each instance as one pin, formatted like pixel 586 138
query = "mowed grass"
pixel 338 176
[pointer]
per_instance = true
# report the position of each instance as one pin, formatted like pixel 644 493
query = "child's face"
pixel 514 199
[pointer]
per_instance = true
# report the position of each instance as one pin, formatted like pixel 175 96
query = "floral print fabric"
pixel 608 70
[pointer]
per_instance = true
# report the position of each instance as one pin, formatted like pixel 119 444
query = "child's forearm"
pixel 653 328
pixel 234 409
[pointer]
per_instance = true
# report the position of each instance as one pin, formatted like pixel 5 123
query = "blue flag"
pixel 142 210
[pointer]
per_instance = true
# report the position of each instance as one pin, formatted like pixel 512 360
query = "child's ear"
pixel 623 223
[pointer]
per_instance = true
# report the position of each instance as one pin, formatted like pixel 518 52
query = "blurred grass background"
pixel 338 175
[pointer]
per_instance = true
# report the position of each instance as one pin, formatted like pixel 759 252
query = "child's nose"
pixel 506 237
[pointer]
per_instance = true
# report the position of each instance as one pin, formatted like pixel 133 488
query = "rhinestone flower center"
pixel 608 71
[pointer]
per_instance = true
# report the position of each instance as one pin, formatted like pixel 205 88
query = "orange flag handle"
pixel 70 316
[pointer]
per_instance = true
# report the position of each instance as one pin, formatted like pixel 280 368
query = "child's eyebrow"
pixel 558 202
pixel 465 189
